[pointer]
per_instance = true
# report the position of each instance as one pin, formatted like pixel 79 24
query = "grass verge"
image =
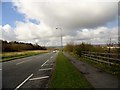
pixel 67 76
pixel 15 55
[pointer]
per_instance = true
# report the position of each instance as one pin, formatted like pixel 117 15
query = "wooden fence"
pixel 106 58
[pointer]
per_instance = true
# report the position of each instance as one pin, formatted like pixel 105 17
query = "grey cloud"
pixel 70 15
pixel 73 18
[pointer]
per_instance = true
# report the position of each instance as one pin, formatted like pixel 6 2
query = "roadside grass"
pixel 15 55
pixel 66 75
pixel 114 70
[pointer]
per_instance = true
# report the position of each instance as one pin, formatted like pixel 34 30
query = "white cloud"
pixel 100 35
pixel 29 30
pixel 80 21
pixel 7 32
pixel 69 15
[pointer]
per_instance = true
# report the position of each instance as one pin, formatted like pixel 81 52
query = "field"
pixel 6 56
pixel 67 76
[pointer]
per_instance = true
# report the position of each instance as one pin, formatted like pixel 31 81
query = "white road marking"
pixel 23 82
pixel 23 62
pixel 0 69
pixel 44 63
pixel 52 56
pixel 47 61
pixel 45 69
pixel 47 64
pixel 39 78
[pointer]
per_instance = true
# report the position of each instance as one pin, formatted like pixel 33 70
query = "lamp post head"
pixel 58 28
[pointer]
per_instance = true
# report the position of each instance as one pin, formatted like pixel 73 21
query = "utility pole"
pixel 44 43
pixel 61 38
pixel 109 48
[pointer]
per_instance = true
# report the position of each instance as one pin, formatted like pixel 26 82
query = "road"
pixel 29 72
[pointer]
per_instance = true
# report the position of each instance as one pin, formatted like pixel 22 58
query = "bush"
pixel 77 49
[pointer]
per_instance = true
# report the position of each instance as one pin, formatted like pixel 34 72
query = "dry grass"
pixel 14 55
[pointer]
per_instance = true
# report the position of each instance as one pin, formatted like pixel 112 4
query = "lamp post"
pixel 60 37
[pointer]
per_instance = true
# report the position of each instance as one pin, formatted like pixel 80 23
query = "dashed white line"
pixel 47 61
pixel 39 78
pixel 44 63
pixel 0 69
pixel 23 62
pixel 45 69
pixel 52 56
pixel 23 82
pixel 48 64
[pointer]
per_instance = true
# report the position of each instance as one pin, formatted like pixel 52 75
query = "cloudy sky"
pixel 80 21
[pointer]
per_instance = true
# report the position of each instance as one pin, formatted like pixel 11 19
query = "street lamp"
pixel 60 37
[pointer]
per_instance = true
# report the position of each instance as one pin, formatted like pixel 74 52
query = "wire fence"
pixel 106 58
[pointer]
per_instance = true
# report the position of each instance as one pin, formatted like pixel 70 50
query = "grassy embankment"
pixel 6 56
pixel 67 76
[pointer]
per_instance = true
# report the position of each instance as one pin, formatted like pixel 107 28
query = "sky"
pixel 34 21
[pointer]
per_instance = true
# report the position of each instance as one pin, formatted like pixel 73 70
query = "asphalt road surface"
pixel 29 72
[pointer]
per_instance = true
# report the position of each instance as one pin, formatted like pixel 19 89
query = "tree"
pixel 19 46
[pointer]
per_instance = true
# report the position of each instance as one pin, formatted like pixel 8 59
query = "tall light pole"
pixel 60 37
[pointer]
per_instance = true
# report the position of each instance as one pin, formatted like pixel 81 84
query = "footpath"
pixel 98 78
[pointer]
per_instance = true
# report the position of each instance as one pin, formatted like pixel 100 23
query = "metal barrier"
pixel 107 58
